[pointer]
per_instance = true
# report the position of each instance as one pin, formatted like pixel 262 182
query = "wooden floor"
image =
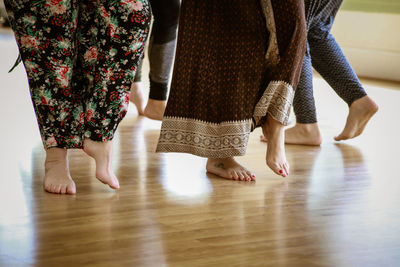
pixel 339 207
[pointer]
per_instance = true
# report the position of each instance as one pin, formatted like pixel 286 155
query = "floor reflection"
pixel 339 206
pixel 185 181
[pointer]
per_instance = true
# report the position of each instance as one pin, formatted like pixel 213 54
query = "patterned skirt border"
pixel 276 102
pixel 204 139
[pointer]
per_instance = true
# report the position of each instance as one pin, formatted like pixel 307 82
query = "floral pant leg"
pixel 110 56
pixel 80 57
pixel 45 34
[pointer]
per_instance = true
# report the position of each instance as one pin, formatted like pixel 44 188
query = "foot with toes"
pixel 276 158
pixel 230 169
pixel 360 112
pixel 57 178
pixel 101 152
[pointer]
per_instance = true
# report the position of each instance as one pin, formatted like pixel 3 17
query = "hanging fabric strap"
pixel 19 59
pixel 272 54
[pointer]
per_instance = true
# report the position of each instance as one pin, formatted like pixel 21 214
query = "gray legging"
pixel 325 55
pixel 161 47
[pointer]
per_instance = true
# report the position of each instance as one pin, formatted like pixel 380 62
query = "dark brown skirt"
pixel 220 77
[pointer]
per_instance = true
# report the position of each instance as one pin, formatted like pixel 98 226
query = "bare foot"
pixel 57 178
pixel 301 134
pixel 360 113
pixel 228 168
pixel 155 109
pixel 102 154
pixel 263 138
pixel 137 97
pixel 276 158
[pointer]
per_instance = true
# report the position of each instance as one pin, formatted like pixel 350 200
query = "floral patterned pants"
pixel 80 58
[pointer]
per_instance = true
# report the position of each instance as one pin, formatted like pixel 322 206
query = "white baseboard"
pixel 371 42
pixel 374 63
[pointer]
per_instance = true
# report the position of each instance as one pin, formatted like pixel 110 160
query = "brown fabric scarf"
pixel 286 24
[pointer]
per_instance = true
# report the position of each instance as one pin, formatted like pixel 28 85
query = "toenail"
pixel 280 171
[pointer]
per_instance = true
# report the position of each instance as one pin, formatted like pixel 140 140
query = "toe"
pixel 251 175
pixel 71 189
pixel 53 189
pixel 241 176
pixel 341 137
pixel 234 175
pixel 115 183
pixel 286 168
pixel 275 168
pixel 58 189
pixel 63 189
pixel 47 187
pixel 246 176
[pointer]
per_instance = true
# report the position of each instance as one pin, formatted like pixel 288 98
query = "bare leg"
pixel 57 178
pixel 274 131
pixel 102 154
pixel 228 168
pixel 360 113
pixel 301 134
pixel 137 97
pixel 155 109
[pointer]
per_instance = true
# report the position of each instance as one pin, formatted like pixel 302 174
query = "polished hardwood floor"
pixel 339 207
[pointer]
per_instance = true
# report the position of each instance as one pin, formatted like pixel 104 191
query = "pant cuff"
pixel 158 91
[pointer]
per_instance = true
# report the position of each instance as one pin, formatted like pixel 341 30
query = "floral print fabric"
pixel 80 58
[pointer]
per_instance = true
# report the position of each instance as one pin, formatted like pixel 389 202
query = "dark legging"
pixel 161 47
pixel 325 55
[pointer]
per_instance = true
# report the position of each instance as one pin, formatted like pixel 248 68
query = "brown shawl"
pixel 286 24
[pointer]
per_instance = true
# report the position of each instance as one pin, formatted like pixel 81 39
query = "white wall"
pixel 371 42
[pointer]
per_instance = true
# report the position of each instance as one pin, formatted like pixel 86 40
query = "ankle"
pixel 136 86
pixel 56 153
pixel 273 126
pixel 156 102
pixel 308 128
pixel 89 143
pixel 365 102
pixel 56 161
